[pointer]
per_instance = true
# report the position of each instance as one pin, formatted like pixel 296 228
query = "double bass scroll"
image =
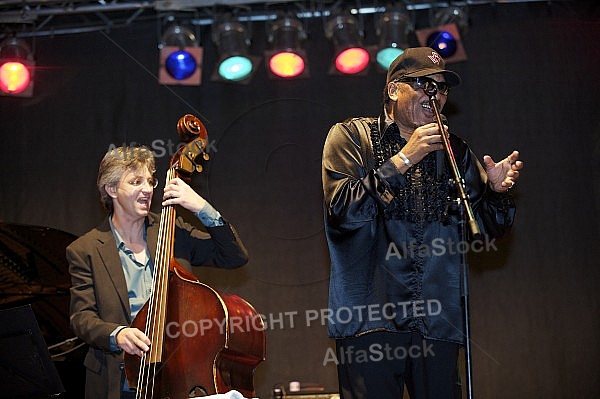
pixel 191 155
pixel 203 342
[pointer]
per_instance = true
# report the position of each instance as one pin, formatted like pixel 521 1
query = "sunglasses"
pixel 428 85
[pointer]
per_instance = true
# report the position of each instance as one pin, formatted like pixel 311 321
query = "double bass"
pixel 203 342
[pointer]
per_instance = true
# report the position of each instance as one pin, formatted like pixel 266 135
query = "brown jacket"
pixel 99 300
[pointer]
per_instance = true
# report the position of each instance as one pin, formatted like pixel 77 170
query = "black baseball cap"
pixel 416 62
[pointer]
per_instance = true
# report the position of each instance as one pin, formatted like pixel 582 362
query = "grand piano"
pixel 34 273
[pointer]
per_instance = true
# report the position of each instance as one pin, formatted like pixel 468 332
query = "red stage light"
pixel 14 77
pixel 352 60
pixel 350 56
pixel 286 59
pixel 286 64
pixel 16 68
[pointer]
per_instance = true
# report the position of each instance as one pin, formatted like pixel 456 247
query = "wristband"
pixel 404 158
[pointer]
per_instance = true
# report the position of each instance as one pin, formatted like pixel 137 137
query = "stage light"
pixel 287 64
pixel 392 28
pixel 16 68
pixel 351 57
pixel 286 59
pixel 445 39
pixel 451 15
pixel 180 57
pixel 234 64
pixel 443 42
pixel 448 24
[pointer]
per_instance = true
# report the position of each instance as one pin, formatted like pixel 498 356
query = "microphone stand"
pixel 466 215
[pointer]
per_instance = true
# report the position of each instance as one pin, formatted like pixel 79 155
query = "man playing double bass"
pixel 111 266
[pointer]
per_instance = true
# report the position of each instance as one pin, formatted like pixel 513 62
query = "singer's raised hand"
pixel 504 174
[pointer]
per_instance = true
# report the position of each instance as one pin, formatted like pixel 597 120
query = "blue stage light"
pixel 443 42
pixel 181 64
pixel 180 56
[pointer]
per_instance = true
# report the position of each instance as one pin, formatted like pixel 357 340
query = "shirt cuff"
pixel 209 216
pixel 113 339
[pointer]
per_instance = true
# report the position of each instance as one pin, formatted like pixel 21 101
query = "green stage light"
pixel 392 28
pixel 235 64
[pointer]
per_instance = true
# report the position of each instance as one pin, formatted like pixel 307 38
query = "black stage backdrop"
pixel 530 83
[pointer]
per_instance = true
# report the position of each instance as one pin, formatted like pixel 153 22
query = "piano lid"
pixel 34 270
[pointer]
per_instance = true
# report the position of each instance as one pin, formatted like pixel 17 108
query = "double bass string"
pixel 156 317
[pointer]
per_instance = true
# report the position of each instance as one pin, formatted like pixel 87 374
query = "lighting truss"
pixel 52 18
